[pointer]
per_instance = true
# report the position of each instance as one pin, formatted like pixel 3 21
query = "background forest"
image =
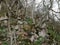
pixel 29 22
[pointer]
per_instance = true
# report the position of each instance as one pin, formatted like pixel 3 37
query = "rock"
pixel 20 22
pixel 42 33
pixel 16 27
